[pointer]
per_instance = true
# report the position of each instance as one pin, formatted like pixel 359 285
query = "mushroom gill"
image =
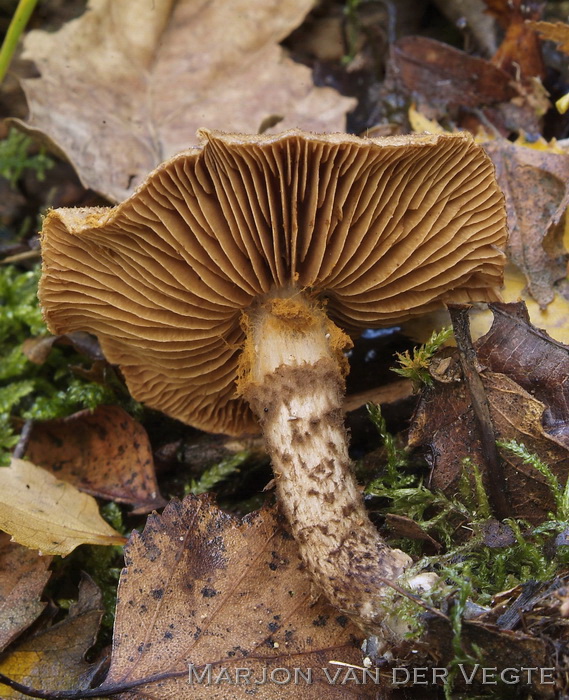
pixel 230 277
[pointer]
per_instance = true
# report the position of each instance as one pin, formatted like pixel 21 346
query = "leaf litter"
pixel 135 82
pixel 523 370
pixel 44 513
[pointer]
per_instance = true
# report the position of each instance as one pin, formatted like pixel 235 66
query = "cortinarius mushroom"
pixel 225 280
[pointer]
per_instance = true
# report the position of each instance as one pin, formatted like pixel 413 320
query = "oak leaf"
pixel 205 588
pixel 44 513
pixel 128 84
pixel 103 452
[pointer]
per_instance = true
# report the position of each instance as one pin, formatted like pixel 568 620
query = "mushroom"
pixel 226 286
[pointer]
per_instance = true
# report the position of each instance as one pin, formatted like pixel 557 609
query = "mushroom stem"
pixel 294 382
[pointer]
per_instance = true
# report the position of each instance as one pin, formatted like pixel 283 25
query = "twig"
pixel 494 480
pixel 17 26
pixel 101 692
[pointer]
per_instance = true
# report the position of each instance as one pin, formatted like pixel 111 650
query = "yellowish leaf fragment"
pixel 44 513
pixel 562 104
pixel 420 124
pixel 554 319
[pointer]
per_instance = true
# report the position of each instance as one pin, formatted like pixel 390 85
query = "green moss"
pixel 15 158
pixel 216 473
pixel 28 390
pixel 416 367
pixel 470 569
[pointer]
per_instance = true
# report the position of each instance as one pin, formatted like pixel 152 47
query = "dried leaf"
pixel 533 360
pixel 446 80
pixel 554 318
pixel 127 85
pixel 23 576
pixel 38 349
pixel 449 76
pixel 519 53
pixel 445 423
pixel 202 587
pixel 53 659
pixel 103 452
pixel 535 184
pixel 553 31
pixel 41 512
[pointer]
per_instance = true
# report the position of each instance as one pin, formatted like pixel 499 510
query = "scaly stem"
pixel 295 385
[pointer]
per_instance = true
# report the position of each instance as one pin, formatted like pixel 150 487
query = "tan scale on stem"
pixel 223 283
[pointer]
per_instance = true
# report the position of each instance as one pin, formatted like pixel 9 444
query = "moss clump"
pixel 15 158
pixel 416 367
pixel 28 390
pixel 460 524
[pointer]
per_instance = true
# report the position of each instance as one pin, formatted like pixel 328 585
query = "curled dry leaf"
pixel 23 576
pixel 53 659
pixel 42 512
pixel 202 587
pixel 103 452
pixel 535 184
pixel 38 349
pixel 445 423
pixel 538 363
pixel 128 84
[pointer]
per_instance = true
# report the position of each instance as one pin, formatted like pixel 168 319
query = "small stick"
pixel 493 471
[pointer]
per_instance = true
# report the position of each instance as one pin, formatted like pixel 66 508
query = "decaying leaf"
pixel 519 53
pixel 450 83
pixel 445 422
pixel 23 576
pixel 499 651
pixel 53 659
pixel 535 184
pixel 103 452
pixel 127 85
pixel 44 513
pixel 38 349
pixel 536 362
pixel 204 588
pixel 448 76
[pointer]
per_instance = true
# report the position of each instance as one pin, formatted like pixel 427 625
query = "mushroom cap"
pixel 381 229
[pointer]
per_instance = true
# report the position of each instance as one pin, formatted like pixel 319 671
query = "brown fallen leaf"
pixel 103 452
pixel 38 349
pixel 536 186
pixel 445 425
pixel 519 54
pixel 229 597
pixel 44 513
pixel 53 659
pixel 449 83
pixel 127 85
pixel 538 363
pixel 23 576
pixel 449 76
